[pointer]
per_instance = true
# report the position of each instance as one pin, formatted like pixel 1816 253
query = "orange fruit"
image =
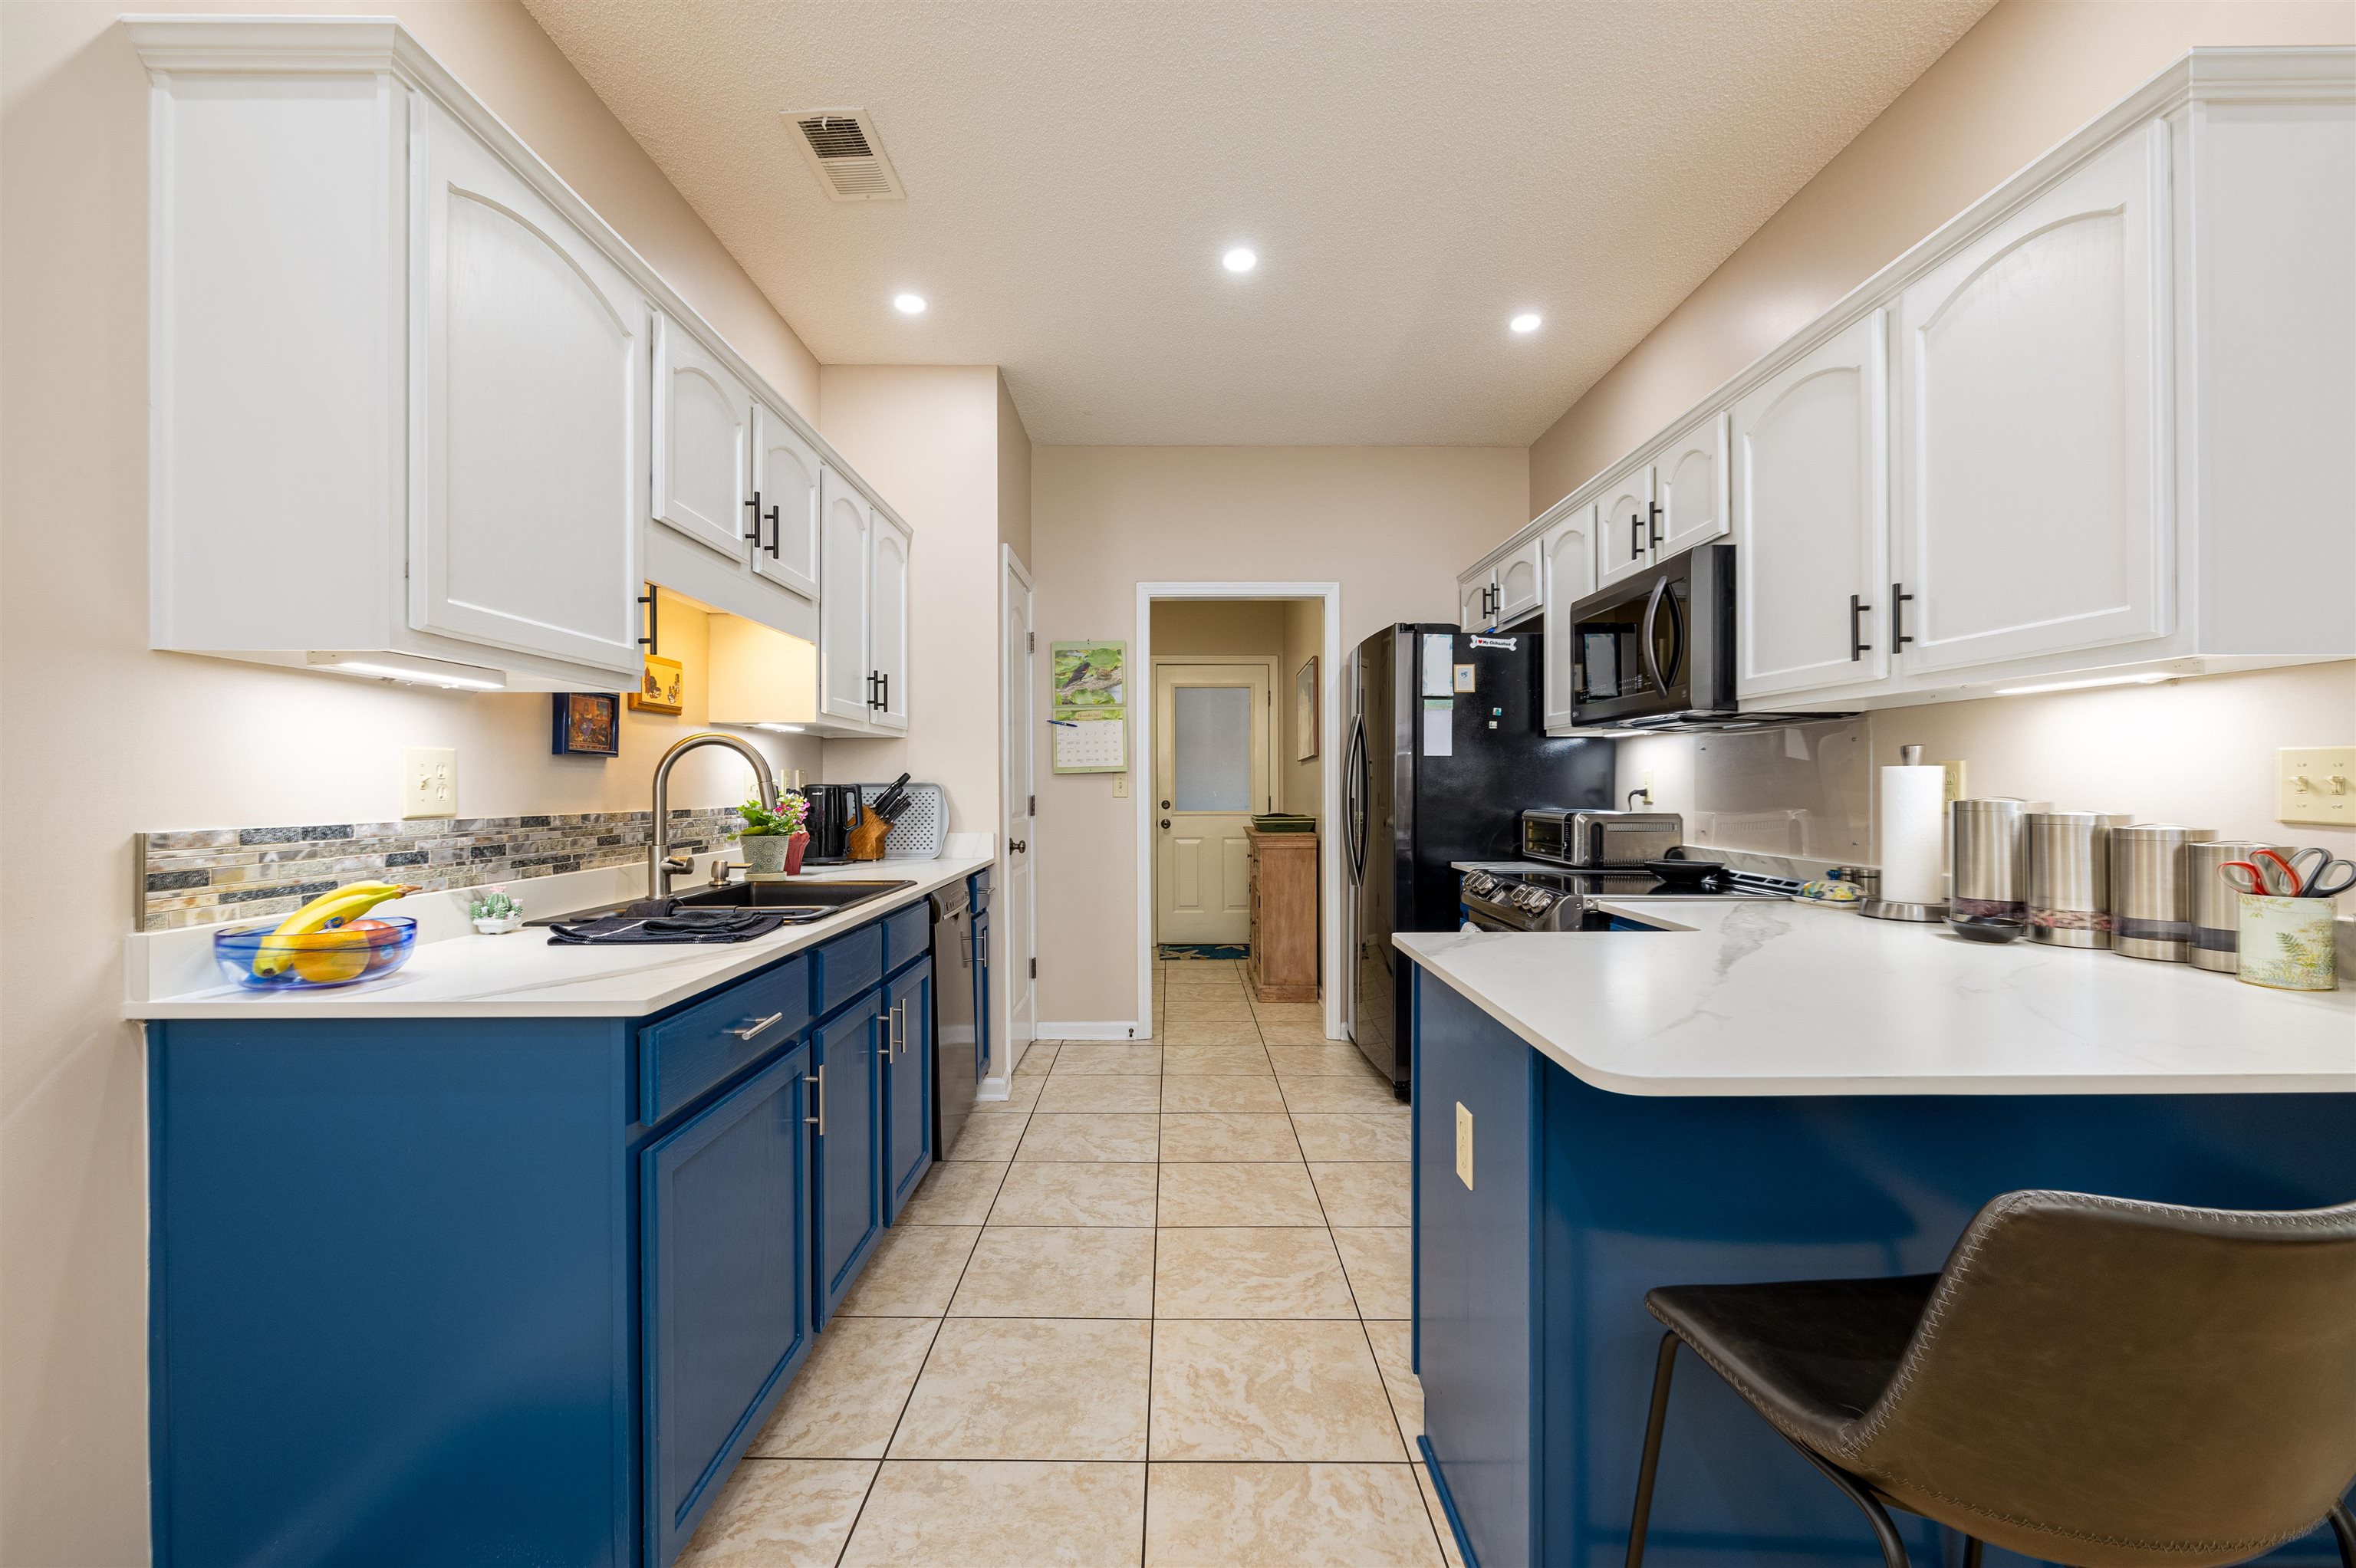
pixel 330 957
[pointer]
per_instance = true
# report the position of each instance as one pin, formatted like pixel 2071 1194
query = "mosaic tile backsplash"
pixel 211 875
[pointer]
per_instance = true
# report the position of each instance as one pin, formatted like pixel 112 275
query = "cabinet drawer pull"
pixel 746 1031
pixel 818 1121
pixel 1857 646
pixel 1900 599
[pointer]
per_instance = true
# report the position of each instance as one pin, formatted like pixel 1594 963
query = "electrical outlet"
pixel 1645 784
pixel 1463 1146
pixel 2317 783
pixel 1121 786
pixel 429 781
pixel 1954 786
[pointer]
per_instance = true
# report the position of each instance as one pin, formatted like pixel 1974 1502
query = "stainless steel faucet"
pixel 660 866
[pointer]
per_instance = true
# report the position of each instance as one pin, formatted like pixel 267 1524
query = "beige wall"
pixel 2031 72
pixel 931 438
pixel 1391 524
pixel 1013 477
pixel 1304 639
pixel 1219 628
pixel 117 739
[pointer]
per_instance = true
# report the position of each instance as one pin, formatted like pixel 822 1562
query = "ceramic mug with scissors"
pixel 2288 937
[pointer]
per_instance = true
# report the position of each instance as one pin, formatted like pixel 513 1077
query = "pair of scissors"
pixel 2320 873
pixel 2313 872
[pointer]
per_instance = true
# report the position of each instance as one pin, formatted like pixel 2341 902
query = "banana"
pixel 301 929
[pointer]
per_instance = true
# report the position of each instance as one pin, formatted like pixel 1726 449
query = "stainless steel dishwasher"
pixel 957 1056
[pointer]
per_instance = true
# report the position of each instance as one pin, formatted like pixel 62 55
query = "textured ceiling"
pixel 1411 175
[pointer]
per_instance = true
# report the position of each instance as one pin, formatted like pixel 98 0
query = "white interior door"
pixel 1211 724
pixel 1015 913
pixel 844 690
pixel 525 532
pixel 785 479
pixel 2032 513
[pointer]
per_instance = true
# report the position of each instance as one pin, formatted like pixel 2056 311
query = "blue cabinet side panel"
pixel 1474 1261
pixel 848 1200
pixel 726 1272
pixel 391 1293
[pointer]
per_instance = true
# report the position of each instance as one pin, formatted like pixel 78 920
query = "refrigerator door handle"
pixel 1357 785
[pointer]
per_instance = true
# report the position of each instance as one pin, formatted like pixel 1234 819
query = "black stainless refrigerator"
pixel 1448 747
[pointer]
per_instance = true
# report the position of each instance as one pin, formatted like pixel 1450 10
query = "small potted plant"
pixel 773 841
pixel 494 912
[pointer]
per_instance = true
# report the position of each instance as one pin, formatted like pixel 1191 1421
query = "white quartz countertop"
pixel 523 975
pixel 1764 996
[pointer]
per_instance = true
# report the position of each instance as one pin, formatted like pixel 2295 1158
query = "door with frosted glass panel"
pixel 1211 725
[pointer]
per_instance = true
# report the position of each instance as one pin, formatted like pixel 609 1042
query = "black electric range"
pixel 1533 898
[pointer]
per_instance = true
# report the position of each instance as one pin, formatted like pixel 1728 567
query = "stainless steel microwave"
pixel 1657 650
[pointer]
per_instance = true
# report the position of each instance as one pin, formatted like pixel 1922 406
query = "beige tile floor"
pixel 1150 1313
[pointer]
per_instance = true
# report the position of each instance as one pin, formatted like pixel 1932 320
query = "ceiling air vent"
pixel 846 155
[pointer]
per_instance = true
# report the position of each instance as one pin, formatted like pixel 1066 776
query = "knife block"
pixel 867 838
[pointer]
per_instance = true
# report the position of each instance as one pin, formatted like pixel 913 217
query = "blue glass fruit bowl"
pixel 366 949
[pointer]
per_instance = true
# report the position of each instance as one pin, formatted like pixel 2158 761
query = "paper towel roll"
pixel 1909 817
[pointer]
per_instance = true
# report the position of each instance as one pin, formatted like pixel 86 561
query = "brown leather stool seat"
pixel 2090 1380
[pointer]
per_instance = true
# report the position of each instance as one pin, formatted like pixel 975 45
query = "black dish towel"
pixel 697 925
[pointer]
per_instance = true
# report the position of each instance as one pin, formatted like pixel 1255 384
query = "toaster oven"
pixel 1600 838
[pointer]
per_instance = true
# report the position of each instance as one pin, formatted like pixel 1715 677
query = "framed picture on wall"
pixel 586 724
pixel 1304 711
pixel 663 688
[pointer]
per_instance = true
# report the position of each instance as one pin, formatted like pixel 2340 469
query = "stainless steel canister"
pixel 2151 890
pixel 1988 846
pixel 2216 902
pixel 2070 876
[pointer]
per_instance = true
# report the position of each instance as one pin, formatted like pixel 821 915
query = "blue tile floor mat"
pixel 1204 949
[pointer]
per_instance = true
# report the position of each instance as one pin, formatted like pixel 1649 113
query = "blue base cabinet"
pixel 907 1083
pixel 728 1309
pixel 510 1291
pixel 1531 1337
pixel 850 1193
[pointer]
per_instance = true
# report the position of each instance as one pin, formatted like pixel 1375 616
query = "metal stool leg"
pixel 1650 1465
pixel 2343 1530
pixel 1893 1550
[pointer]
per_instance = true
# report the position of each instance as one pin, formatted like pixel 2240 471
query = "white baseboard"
pixel 1102 1029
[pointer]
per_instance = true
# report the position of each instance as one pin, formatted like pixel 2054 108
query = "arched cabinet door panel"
pixel 1691 477
pixel 2033 512
pixel 887 623
pixel 524 480
pixel 786 477
pixel 1810 518
pixel 1566 558
pixel 1521 589
pixel 845 531
pixel 702 446
pixel 1626 524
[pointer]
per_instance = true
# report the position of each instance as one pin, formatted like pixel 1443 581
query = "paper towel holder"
pixel 1891 909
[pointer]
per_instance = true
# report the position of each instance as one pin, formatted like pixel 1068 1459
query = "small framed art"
pixel 586 724
pixel 663 688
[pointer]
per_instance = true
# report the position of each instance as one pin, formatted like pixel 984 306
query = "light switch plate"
pixel 1463 1146
pixel 1954 786
pixel 1121 786
pixel 2317 783
pixel 429 782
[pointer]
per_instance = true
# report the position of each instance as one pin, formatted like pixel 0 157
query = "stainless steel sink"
pixel 799 902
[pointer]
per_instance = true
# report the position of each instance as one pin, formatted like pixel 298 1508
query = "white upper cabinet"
pixel 1810 519
pixel 786 483
pixel 887 578
pixel 1567 558
pixel 702 446
pixel 2031 510
pixel 1476 600
pixel 1690 475
pixel 1520 585
pixel 846 687
pixel 1628 525
pixel 527 536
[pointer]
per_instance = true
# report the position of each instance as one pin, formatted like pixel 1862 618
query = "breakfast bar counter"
pixel 1757 1091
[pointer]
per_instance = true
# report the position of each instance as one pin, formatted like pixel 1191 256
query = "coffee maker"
pixel 834 811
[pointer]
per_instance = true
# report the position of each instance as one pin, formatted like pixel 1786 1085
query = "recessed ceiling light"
pixel 909 304
pixel 1526 322
pixel 1239 260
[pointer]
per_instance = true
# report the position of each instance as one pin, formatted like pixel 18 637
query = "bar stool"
pixel 2093 1381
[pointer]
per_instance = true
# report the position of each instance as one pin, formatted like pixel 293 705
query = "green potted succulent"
pixel 774 840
